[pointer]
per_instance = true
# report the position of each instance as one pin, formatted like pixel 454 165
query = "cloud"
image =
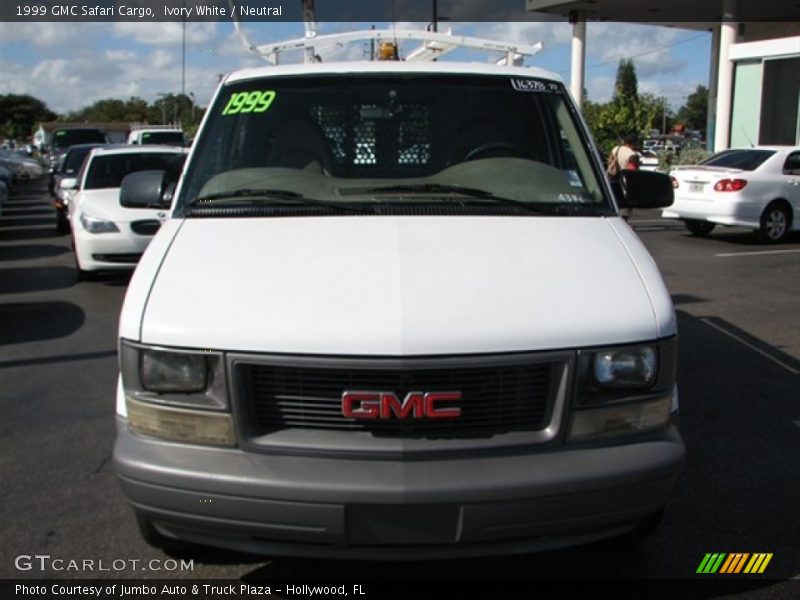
pixel 648 46
pixel 159 34
pixel 50 35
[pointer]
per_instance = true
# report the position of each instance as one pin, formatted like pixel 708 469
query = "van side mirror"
pixel 68 183
pixel 643 189
pixel 146 189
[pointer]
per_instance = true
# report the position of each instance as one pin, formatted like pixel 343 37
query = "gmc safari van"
pixel 395 314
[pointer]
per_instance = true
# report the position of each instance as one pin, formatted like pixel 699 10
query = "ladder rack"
pixel 434 44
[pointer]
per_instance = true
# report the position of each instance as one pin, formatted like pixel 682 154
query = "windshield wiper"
pixel 440 188
pixel 272 194
pixel 256 197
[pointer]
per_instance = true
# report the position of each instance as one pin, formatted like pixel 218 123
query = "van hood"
pixel 403 286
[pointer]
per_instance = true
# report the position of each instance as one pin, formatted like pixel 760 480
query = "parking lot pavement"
pixel 739 374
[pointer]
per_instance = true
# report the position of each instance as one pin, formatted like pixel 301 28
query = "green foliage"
pixel 626 87
pixel 695 112
pixel 691 156
pixel 20 113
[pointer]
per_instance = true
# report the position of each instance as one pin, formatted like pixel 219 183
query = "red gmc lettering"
pixel 386 405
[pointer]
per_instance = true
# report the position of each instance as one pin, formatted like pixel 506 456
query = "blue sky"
pixel 71 65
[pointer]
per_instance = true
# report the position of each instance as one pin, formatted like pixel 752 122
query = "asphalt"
pixel 738 305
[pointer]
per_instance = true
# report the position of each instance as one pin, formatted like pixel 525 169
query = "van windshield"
pixel 171 138
pixel 390 141
pixel 63 138
pixel 109 171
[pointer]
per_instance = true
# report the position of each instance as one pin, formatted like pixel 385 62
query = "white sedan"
pixel 755 187
pixel 107 236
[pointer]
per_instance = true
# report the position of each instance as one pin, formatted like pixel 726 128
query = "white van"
pixel 395 314
pixel 157 135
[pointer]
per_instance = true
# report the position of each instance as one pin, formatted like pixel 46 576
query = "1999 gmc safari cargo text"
pixel 395 314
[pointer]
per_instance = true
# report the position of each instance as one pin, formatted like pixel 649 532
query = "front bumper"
pixel 109 251
pixel 366 508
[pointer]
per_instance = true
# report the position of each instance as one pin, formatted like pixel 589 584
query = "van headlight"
pixel 176 394
pixel 625 368
pixel 173 371
pixel 93 225
pixel 624 390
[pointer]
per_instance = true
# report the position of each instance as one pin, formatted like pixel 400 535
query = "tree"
pixel 626 88
pixel 627 112
pixel 20 113
pixel 695 112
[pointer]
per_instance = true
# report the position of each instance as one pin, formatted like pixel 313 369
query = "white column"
pixel 576 83
pixel 711 119
pixel 727 36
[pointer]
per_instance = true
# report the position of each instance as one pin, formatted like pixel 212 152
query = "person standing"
pixel 623 156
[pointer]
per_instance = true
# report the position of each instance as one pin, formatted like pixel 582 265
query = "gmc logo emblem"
pixel 386 405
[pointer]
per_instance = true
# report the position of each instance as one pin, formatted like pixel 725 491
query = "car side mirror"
pixel 146 189
pixel 643 189
pixel 68 183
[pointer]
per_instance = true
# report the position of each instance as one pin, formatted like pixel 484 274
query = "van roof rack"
pixel 434 44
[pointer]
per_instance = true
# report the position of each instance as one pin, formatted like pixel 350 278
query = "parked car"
pixel 64 138
pixel 106 235
pixel 169 137
pixel 6 177
pixel 756 187
pixel 68 167
pixel 24 167
pixel 648 161
pixel 395 313
pixel 3 194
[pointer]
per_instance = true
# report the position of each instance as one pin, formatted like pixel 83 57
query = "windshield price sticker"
pixel 533 85
pixel 249 102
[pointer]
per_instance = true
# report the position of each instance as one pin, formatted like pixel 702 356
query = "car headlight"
pixel 93 225
pixel 625 367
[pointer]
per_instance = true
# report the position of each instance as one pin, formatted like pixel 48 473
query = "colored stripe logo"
pixel 734 563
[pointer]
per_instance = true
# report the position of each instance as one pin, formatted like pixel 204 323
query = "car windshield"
pixel 173 138
pixel 64 138
pixel 489 142
pixel 74 159
pixel 746 160
pixel 109 171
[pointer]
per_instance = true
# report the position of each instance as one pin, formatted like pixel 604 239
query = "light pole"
pixel 162 95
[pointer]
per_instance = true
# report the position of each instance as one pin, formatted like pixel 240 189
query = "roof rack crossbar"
pixel 435 44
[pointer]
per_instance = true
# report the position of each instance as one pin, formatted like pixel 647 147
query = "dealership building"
pixel 754 75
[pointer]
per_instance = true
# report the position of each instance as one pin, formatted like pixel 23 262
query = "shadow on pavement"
pixel 28 234
pixel 36 279
pixel 8 222
pixel 24 212
pixel 30 251
pixel 36 321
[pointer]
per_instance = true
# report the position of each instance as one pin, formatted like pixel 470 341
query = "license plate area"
pixel 696 188
pixel 418 524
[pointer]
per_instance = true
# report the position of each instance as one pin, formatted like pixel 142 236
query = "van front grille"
pixel 496 399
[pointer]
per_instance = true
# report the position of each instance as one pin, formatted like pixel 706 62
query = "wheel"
pixel 775 221
pixel 62 224
pixel 699 228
